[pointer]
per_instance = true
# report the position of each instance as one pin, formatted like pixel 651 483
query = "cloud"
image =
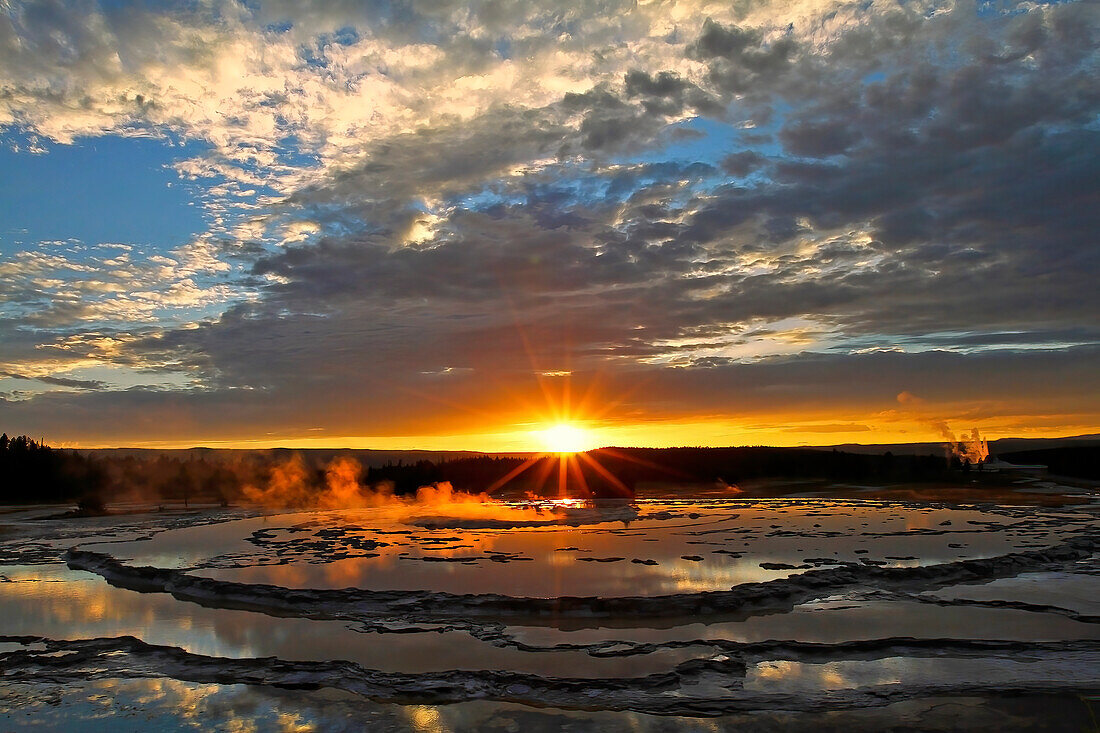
pixel 813 389
pixel 676 190
pixel 829 428
pixel 57 381
pixel 908 398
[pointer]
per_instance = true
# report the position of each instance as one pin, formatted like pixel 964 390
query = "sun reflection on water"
pixel 426 719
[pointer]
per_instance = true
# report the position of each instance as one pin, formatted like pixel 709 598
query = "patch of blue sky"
pixel 690 152
pixel 489 197
pixel 680 180
pixel 696 139
pixel 580 189
pixel 345 36
pixel 705 140
pixel 965 342
pixel 293 152
pixel 573 185
pixel 122 6
pixel 98 377
pixel 999 8
pixel 627 180
pixel 280 27
pixel 313 55
pixel 682 147
pixel 332 220
pixel 207 311
pixel 97 190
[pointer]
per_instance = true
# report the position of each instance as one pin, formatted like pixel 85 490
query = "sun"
pixel 565 437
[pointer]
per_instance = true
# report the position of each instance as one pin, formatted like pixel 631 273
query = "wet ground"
pixel 660 614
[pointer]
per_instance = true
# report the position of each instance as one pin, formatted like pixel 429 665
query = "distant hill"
pixel 617 472
pixel 996 447
pixel 377 458
pixel 1078 460
pixel 367 458
pixel 878 449
pixel 1015 445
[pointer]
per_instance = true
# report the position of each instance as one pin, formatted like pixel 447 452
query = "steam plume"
pixel 289 486
pixel 972 449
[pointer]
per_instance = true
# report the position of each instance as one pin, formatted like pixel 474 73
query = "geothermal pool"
pixel 697 613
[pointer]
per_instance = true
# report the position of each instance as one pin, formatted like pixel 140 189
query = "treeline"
pixel 203 477
pixel 736 465
pixel 615 471
pixel 183 480
pixel 33 472
pixel 1076 461
pixel 472 474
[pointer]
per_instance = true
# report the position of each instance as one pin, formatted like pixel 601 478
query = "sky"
pixel 433 224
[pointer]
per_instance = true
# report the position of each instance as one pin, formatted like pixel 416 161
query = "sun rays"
pixel 566 437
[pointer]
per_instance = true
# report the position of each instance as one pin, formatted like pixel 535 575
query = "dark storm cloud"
pixel 742 60
pixel 667 93
pixel 818 139
pixel 742 163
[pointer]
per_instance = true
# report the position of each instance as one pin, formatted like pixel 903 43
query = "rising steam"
pixel 290 486
pixel 967 449
pixel 973 449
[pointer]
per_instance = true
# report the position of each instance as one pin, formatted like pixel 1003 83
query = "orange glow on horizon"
pixel 560 413
pixel 523 438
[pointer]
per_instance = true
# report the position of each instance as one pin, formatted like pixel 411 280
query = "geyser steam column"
pixel 969 451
